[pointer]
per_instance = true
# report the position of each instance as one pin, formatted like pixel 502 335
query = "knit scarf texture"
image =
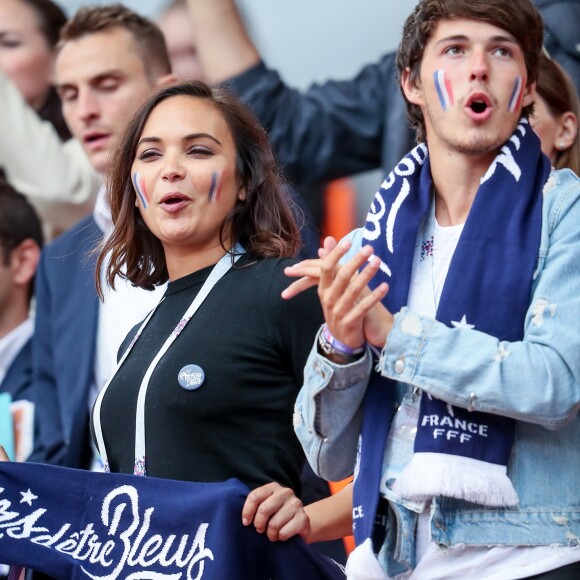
pixel 458 452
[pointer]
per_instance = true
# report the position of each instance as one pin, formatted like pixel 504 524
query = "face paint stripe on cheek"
pixel 139 185
pixel 214 188
pixel 444 90
pixel 516 96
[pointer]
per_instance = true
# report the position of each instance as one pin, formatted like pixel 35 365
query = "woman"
pixel 556 114
pixel 193 184
pixel 29 31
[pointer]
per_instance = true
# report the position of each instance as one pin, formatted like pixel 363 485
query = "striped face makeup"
pixel 215 187
pixel 139 185
pixel 184 173
pixel 444 90
pixel 517 94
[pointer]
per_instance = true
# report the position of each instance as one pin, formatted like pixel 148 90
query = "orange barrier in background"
pixel 339 208
pixel 335 487
pixel 340 219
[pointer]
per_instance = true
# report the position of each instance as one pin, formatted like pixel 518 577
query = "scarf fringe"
pixel 431 474
pixel 362 564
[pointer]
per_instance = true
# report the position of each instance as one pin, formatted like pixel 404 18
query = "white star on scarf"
pixel 462 323
pixel 28 497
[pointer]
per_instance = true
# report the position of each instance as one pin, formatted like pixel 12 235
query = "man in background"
pixel 20 243
pixel 109 61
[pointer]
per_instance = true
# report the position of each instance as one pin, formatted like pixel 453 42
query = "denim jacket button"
pixel 399 365
pixel 471 401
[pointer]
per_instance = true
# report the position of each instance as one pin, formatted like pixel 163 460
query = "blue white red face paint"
pixel 516 96
pixel 444 90
pixel 215 187
pixel 139 185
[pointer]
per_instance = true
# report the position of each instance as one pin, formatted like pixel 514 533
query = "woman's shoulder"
pixel 260 265
pixel 266 277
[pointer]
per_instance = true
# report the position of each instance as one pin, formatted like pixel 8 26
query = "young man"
pixel 20 243
pixel 109 61
pixel 470 252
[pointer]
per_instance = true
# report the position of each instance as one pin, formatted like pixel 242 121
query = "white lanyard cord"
pixel 217 272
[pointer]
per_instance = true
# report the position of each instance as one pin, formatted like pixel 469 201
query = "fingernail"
pixel 245 521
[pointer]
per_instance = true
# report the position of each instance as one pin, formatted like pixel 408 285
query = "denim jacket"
pixel 535 381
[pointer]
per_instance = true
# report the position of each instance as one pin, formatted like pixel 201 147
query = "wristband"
pixel 330 345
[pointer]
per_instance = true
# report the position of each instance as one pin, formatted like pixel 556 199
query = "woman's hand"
pixel 308 270
pixel 3 455
pixel 276 510
pixel 353 313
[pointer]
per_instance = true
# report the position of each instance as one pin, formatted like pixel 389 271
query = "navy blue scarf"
pixel 488 283
pixel 76 524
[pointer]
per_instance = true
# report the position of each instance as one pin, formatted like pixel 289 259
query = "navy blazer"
pixel 64 344
pixel 18 378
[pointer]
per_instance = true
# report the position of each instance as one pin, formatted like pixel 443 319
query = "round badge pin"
pixel 191 377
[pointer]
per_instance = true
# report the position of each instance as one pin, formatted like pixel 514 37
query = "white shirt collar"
pixel 102 213
pixel 12 343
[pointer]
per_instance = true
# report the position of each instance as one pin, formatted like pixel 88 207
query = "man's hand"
pixel 276 510
pixel 3 455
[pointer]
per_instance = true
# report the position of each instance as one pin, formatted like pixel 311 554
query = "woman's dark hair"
pixel 18 222
pixel 263 222
pixel 51 19
pixel 518 17
pixel 559 92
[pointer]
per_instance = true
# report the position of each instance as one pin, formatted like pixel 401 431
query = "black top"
pixel 252 346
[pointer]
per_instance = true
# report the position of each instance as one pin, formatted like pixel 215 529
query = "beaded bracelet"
pixel 339 347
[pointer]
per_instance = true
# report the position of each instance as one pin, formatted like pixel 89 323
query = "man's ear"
pixel 529 95
pixel 23 262
pixel 411 88
pixel 165 81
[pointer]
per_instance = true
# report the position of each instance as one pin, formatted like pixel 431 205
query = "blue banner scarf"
pixel 488 283
pixel 74 524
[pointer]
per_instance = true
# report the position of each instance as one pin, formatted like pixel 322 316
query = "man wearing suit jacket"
pixel 20 243
pixel 109 61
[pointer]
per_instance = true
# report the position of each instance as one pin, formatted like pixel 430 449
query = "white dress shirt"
pixel 12 344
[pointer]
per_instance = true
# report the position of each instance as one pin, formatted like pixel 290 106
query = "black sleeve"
pixel 333 129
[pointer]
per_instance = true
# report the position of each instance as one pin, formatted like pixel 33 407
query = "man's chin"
pixel 100 161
